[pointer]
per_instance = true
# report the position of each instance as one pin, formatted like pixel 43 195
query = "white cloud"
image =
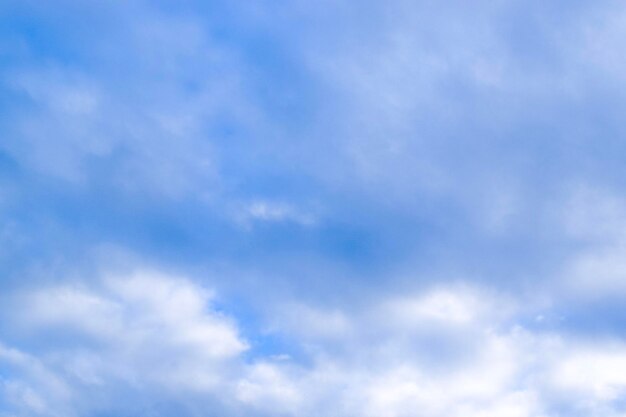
pixel 273 212
pixel 138 309
pixel 266 386
pixel 144 330
pixel 595 373
pixel 483 385
pixel 379 361
pixel 447 350
pixel 376 367
pixel 447 305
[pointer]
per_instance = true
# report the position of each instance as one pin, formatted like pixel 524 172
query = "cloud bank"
pixel 153 344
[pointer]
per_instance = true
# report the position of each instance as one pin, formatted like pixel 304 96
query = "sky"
pixel 297 208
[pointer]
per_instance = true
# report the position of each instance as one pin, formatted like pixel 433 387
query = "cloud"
pixel 593 373
pixel 491 365
pixel 143 330
pixel 77 119
pixel 594 217
pixel 274 212
pixel 31 388
pixel 377 209
pixel 444 350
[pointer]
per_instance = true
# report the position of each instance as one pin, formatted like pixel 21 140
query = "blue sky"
pixel 288 208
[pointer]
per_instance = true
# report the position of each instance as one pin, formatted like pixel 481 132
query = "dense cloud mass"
pixel 287 208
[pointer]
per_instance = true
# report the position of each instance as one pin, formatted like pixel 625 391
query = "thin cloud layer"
pixel 385 209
